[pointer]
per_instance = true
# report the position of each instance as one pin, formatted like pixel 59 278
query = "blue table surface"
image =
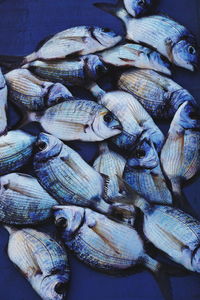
pixel 23 23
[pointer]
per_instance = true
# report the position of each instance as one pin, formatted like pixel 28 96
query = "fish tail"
pixel 31 57
pixel 11 62
pixel 96 91
pixel 10 229
pixel 179 97
pixel 103 148
pixel 160 275
pixel 117 9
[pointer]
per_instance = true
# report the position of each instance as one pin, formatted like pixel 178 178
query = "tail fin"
pixel 10 229
pixel 11 62
pixel 117 9
pixel 160 275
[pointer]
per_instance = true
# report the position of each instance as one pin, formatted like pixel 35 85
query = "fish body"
pixel 3 106
pixel 80 40
pixel 135 55
pixel 134 119
pixel 66 176
pixel 16 148
pixel 78 71
pixel 42 260
pixel 162 33
pixel 23 200
pixel 32 93
pixel 97 241
pixel 78 120
pixel 159 95
pixel 143 173
pixel 174 232
pixel 180 154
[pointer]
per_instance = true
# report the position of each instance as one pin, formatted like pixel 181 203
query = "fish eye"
pixel 100 69
pixel 41 145
pixel 61 222
pixel 191 50
pixel 60 288
pixel 142 2
pixel 106 29
pixel 140 153
pixel 108 118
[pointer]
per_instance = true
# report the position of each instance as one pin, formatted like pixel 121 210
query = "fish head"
pixel 54 286
pixel 188 116
pixel 57 93
pixel 46 147
pixel 144 156
pixel 106 37
pixel 137 8
pixel 106 124
pixel 94 67
pixel 185 55
pixel 195 261
pixel 68 219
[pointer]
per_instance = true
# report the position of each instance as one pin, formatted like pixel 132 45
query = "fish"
pixel 136 122
pixel 76 119
pixel 158 94
pixel 66 176
pixel 42 260
pixel 103 244
pixel 143 173
pixel 32 93
pixel 173 231
pixel 138 8
pixel 75 41
pixel 3 106
pixel 77 71
pixel 180 153
pixel 16 149
pixel 162 33
pixel 23 200
pixel 112 165
pixel 135 55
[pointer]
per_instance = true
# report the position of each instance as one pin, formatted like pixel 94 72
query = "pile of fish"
pixel 138 174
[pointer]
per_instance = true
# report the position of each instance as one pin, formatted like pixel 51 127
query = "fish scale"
pixel 26 191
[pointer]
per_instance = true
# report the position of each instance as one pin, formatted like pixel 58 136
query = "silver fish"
pixel 78 120
pixel 135 55
pixel 66 176
pixel 42 260
pixel 180 154
pixel 173 231
pixel 133 117
pixel 80 40
pixel 3 106
pixel 159 95
pixel 16 149
pixel 112 165
pixel 143 173
pixel 103 244
pixel 162 33
pixel 23 201
pixel 33 93
pixel 78 71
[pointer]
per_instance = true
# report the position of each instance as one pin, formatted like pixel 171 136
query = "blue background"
pixel 23 23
